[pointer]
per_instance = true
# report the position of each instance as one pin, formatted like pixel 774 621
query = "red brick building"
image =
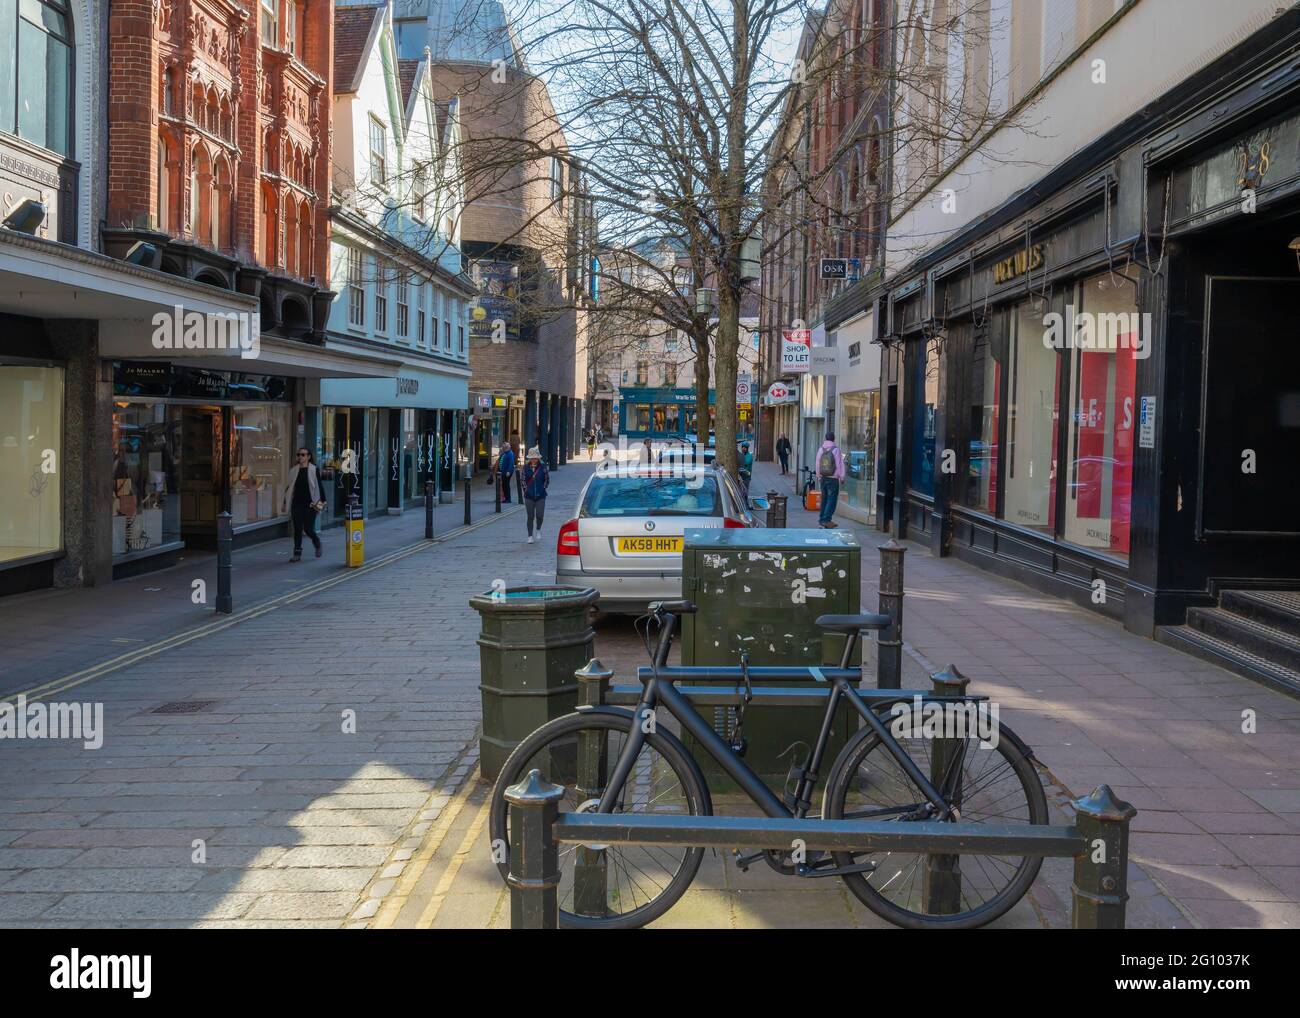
pixel 219 147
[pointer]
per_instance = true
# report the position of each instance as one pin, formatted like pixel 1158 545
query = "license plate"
pixel 649 545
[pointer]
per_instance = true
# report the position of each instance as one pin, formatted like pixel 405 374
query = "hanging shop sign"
pixel 796 350
pixel 779 393
pixel 841 268
pixel 1018 264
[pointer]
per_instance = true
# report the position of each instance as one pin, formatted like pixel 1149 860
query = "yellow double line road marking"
pixel 217 625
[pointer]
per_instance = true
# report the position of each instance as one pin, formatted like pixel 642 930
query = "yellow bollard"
pixel 354 548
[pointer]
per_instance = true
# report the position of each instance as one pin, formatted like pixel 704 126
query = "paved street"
pixel 228 793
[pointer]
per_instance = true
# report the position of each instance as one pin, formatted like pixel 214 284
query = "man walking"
pixel 506 469
pixel 783 453
pixel 830 468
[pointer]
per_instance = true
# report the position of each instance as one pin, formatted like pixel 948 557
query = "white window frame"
pixel 378 156
pixel 356 289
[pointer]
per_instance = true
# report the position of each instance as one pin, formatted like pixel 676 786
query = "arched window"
pixel 227 126
pixel 36 72
pixel 268 151
pixel 221 188
pixel 291 234
pixel 304 240
pixel 270 226
pixel 201 194
pixel 213 123
pixel 198 104
pixel 163 197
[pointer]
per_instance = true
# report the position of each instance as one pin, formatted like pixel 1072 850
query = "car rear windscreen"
pixel 689 495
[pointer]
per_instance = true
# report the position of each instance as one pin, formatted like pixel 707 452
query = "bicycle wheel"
pixel 610 886
pixel 997 785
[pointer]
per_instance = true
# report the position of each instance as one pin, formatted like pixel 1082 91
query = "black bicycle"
pixel 613 760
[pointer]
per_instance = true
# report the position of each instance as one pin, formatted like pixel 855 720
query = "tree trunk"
pixel 702 390
pixel 726 355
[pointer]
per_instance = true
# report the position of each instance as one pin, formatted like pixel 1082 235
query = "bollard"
pixel 467 487
pixel 519 485
pixel 225 547
pixel 941 881
pixel 428 510
pixel 590 885
pixel 889 644
pixel 776 510
pixel 534 862
pixel 1100 887
pixel 496 484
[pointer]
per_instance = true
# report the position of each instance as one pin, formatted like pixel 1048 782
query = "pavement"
pixel 311 760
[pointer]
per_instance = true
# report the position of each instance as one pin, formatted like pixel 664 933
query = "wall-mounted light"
pixel 1295 246
pixel 26 217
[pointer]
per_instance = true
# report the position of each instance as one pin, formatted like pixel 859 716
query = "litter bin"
pixel 776 510
pixel 760 591
pixel 532 640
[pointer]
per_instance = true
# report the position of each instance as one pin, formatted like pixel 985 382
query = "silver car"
pixel 625 539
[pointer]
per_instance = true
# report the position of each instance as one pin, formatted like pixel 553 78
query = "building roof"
pixel 407 70
pixel 353 27
pixel 473 31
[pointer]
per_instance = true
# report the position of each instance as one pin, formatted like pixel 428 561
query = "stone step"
pixel 1231 656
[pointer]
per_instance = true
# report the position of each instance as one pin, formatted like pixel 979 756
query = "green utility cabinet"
pixel 761 590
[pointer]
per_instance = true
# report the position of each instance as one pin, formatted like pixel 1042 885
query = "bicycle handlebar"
pixel 678 607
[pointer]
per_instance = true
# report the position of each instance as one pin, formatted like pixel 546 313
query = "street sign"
pixel 835 268
pixel 796 345
pixel 743 391
pixel 777 391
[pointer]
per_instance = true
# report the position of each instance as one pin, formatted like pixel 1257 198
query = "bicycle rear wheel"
pixel 997 786
pixel 610 886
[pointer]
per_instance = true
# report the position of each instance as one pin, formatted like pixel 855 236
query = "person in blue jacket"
pixel 536 479
pixel 506 470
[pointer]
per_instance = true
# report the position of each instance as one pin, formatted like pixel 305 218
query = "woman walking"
pixel 536 478
pixel 303 498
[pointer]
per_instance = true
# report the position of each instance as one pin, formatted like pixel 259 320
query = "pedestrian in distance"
pixel 746 466
pixel 647 453
pixel 536 478
pixel 302 500
pixel 591 443
pixel 830 470
pixel 783 453
pixel 506 468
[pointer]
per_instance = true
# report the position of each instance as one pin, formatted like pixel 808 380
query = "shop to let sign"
pixel 796 350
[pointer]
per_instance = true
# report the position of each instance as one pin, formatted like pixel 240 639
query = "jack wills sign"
pixel 1018 264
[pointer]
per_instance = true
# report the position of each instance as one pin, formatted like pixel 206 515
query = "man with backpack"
pixel 830 469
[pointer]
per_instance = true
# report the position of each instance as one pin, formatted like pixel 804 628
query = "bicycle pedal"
pixel 745 861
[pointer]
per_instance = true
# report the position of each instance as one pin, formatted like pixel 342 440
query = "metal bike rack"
pixel 1098 840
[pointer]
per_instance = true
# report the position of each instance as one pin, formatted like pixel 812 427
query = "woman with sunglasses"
pixel 303 496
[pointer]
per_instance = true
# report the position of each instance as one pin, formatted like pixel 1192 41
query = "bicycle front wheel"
pixel 609 886
pixel 996 785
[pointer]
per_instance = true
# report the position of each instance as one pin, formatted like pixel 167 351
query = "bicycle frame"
pixel 661 691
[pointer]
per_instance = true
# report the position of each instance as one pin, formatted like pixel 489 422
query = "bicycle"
pixel 641 766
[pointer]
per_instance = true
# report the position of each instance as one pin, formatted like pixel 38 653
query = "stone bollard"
pixel 225 552
pixel 941 881
pixel 1100 888
pixel 889 644
pixel 534 876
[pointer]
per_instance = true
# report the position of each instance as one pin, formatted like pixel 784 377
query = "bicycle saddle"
pixel 852 623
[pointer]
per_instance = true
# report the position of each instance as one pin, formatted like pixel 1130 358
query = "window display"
pixel 925 400
pixel 987 352
pixel 31 450
pixel 859 414
pixel 259 458
pixel 1103 379
pixel 146 476
pixel 1033 419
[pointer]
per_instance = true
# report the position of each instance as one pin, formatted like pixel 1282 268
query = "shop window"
pixel 1033 419
pixel 925 405
pixel 31 453
pixel 35 72
pixel 270 226
pixel 859 416
pixel 1103 384
pixel 146 476
pixel 672 418
pixel 982 420
pixel 640 417
pixel 259 457
pixel 659 418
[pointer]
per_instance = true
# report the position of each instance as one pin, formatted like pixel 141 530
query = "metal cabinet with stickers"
pixel 759 591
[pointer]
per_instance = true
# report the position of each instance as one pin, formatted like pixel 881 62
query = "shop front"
pixel 383 440
pixel 188 441
pixel 661 413
pixel 858 415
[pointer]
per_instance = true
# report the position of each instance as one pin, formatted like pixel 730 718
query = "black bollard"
pixel 1100 888
pixel 496 483
pixel 225 548
pixel 889 644
pixel 534 858
pixel 467 487
pixel 428 510
pixel 941 878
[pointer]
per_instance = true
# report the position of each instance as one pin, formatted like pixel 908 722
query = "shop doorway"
pixel 203 475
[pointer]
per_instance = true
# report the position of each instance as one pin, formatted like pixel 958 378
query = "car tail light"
pixel 727 521
pixel 567 542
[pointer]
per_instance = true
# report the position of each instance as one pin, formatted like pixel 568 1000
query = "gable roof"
pixel 354 30
pixel 407 71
